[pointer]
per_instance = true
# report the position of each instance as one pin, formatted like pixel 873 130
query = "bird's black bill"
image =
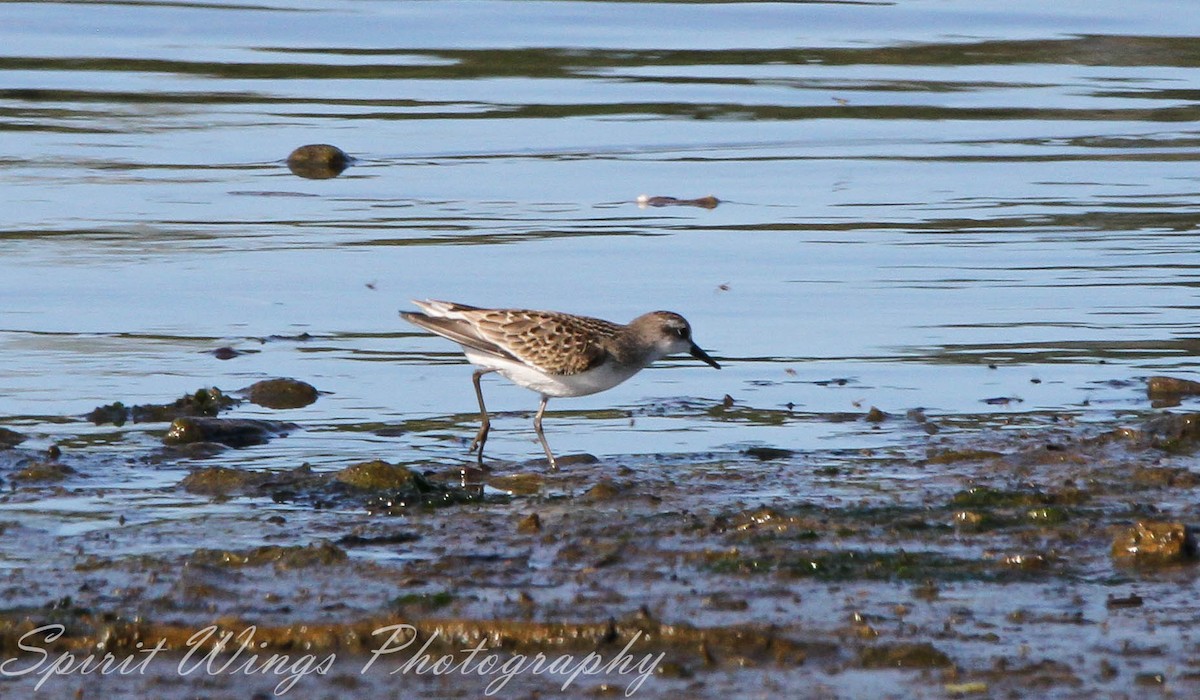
pixel 703 356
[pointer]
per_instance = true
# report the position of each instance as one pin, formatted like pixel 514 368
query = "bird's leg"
pixel 485 425
pixel 537 426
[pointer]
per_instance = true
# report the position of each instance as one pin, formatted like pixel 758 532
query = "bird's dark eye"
pixel 682 332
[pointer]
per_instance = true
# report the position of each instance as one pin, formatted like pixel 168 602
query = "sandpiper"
pixel 553 353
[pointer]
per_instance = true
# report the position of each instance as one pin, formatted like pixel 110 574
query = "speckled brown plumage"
pixel 554 343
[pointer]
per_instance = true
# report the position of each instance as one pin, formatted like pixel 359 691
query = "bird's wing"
pixel 551 342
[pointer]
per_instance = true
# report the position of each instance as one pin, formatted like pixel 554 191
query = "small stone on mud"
pixel 1150 543
pixel 318 161
pixel 1169 387
pixel 43 471
pixel 530 524
pixel 604 490
pixel 10 438
pixel 219 481
pixel 225 353
pixel 523 484
pixel 1131 601
pixel 282 393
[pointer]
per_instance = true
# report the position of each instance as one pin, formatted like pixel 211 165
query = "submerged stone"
pixel 221 481
pixel 318 161
pixel 282 393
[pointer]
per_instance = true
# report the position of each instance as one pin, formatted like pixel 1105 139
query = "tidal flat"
pixel 978 556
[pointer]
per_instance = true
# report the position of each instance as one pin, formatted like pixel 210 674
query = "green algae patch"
pixel 378 475
pixel 299 557
pixel 424 601
pixel 282 393
pixel 223 481
pixel 203 402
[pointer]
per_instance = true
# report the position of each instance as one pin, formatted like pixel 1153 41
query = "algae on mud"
pixel 832 568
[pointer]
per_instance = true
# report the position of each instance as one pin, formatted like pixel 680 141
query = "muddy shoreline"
pixel 988 556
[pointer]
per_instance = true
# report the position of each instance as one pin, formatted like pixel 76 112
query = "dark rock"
pixel 10 438
pixel 766 453
pixel 226 431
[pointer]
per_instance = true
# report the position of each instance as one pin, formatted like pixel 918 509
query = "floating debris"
pixel 709 202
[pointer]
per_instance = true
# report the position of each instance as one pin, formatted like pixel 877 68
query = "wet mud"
pixel 1015 555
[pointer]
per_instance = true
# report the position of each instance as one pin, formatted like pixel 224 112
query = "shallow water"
pixel 923 204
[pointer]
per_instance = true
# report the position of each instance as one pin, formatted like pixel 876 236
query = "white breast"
pixel 606 376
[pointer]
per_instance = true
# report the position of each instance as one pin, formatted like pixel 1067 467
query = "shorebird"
pixel 553 353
